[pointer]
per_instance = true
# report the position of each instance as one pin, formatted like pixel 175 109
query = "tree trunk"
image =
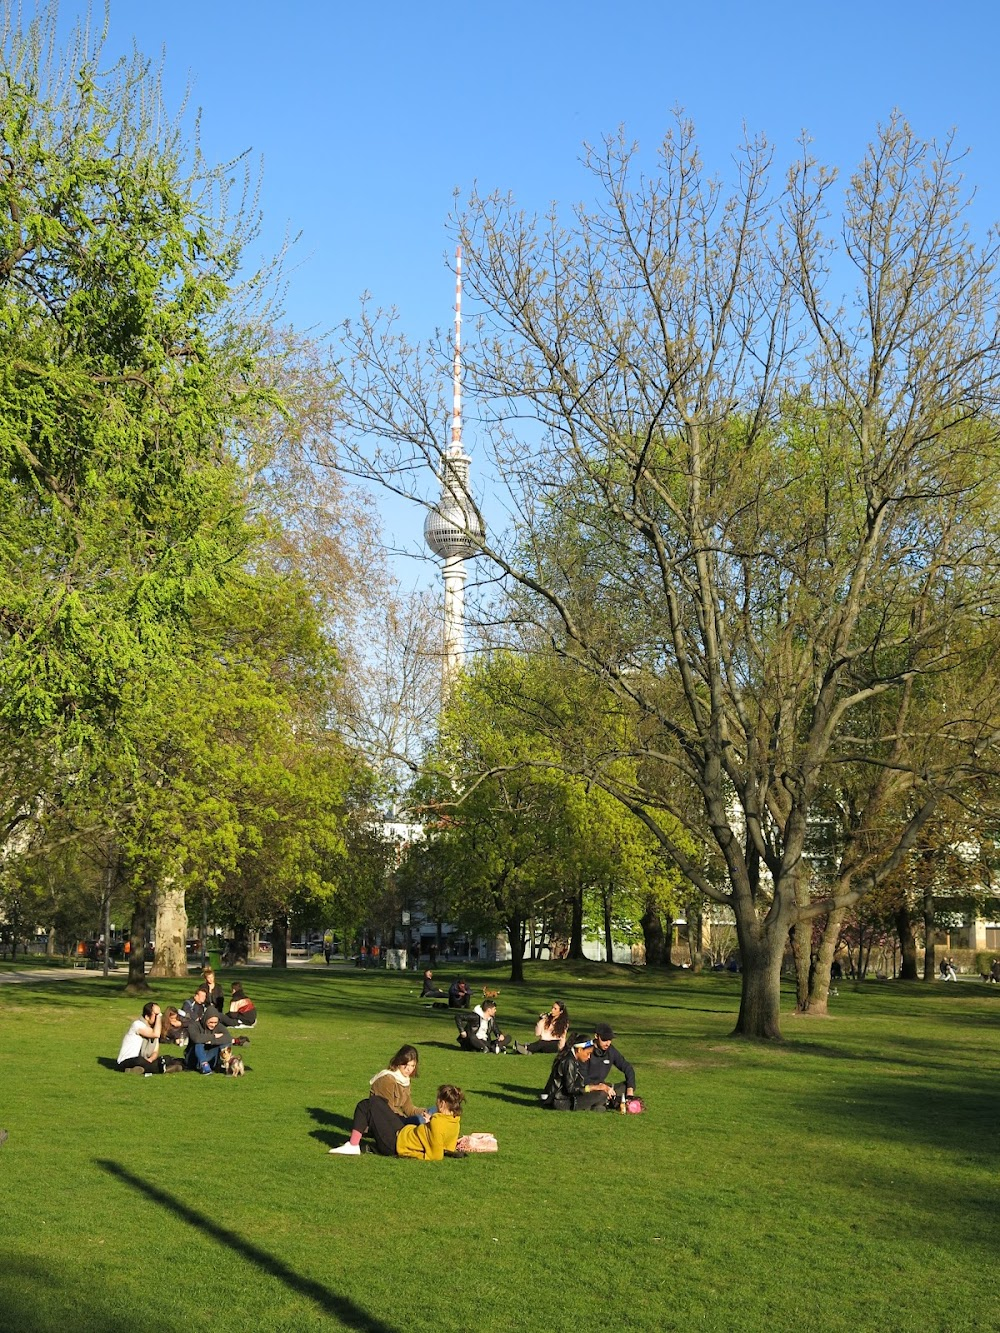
pixel 240 950
pixel 928 936
pixel 279 941
pixel 171 932
pixel 799 938
pixel 576 927
pixel 515 933
pixel 760 1000
pixel 696 936
pixel 652 934
pixel 762 947
pixel 136 984
pixel 668 942
pixel 819 988
pixel 609 943
pixel 907 943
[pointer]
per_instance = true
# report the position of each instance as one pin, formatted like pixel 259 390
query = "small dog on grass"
pixel 489 993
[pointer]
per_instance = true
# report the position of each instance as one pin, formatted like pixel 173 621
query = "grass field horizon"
pixel 845 1178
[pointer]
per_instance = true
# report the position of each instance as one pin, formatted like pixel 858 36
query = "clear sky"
pixel 368 117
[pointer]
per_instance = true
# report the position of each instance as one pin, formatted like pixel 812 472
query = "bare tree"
pixel 748 437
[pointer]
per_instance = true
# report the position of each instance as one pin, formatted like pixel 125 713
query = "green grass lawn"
pixel 847 1179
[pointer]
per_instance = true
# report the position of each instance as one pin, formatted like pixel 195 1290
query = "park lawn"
pixel 845 1179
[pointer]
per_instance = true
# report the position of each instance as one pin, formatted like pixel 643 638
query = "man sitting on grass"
pixel 208 1039
pixel 483 1036
pixel 140 1048
pixel 605 1058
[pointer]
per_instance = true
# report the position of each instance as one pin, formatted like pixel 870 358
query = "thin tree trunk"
pixel 171 932
pixel 668 942
pixel 279 941
pixel 819 989
pixel 696 936
pixel 576 926
pixel 515 933
pixel 609 944
pixel 137 984
pixel 907 943
pixel 929 936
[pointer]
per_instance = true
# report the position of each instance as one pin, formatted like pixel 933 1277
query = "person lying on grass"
pixel 427 1141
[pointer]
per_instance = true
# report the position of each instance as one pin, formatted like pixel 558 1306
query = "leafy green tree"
pixel 125 359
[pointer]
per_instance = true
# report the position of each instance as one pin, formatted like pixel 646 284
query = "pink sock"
pixel 355 1138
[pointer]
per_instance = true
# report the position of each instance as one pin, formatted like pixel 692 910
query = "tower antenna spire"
pixel 453 528
pixel 456 415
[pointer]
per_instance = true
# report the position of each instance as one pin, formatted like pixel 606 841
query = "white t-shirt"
pixel 132 1041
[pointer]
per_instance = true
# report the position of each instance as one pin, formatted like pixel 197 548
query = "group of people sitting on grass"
pixel 579 1080
pixel 201 1031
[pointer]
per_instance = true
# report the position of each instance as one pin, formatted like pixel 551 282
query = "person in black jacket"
pixel 607 1057
pixel 571 1085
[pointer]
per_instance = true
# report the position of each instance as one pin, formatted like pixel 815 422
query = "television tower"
pixel 453 528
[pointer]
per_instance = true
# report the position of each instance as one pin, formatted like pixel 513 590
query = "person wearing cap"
pixel 571 1086
pixel 606 1057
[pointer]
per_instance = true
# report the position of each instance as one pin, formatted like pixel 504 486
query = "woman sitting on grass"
pixel 388 1107
pixel 426 1141
pixel 551 1031
pixel 242 1013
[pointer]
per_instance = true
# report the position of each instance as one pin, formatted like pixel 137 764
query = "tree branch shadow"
pixel 338 1307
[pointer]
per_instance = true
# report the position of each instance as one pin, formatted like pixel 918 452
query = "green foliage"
pixel 123 365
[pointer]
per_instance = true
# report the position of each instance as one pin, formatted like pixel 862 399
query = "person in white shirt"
pixel 140 1048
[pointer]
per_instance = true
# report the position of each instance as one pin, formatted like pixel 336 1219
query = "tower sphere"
pixel 452 529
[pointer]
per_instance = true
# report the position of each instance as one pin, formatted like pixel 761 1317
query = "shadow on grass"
pixel 955 1119
pixel 339 1307
pixel 332 1127
pixel 523 1097
pixel 106 1062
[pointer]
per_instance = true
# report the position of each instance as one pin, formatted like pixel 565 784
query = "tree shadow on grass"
pixel 523 1097
pixel 954 1118
pixel 338 1307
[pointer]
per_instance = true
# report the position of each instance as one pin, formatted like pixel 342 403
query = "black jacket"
pixel 602 1063
pixel 568 1079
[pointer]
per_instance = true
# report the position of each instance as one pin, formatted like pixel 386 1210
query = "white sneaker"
pixel 348 1150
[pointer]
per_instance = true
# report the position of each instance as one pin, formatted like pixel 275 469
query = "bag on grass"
pixel 477 1143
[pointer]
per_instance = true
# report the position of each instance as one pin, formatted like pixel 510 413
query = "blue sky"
pixel 367 118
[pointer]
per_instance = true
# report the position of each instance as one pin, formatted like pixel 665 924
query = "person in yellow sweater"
pixel 430 1141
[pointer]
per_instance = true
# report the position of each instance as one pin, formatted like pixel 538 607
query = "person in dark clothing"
pixel 571 1086
pixel 459 994
pixel 193 1010
pixel 430 990
pixel 607 1057
pixel 208 1039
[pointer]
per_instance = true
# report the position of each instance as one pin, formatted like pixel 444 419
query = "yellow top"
pixel 429 1142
